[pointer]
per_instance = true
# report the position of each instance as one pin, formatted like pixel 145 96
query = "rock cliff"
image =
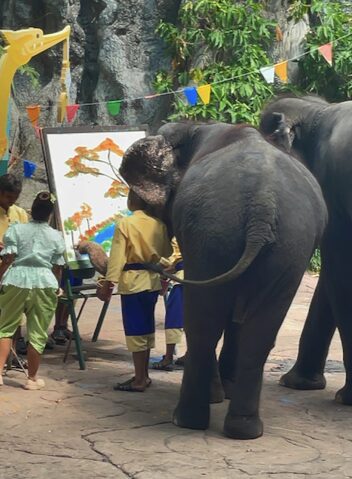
pixel 114 53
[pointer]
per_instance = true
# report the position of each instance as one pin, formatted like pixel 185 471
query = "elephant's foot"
pixel 217 394
pixel 295 380
pixel 192 417
pixel 243 427
pixel 228 386
pixel 344 396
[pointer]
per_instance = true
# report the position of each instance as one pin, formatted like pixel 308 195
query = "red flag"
pixel 71 111
pixel 326 51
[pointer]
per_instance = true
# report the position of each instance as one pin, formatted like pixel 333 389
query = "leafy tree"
pixel 329 21
pixel 230 40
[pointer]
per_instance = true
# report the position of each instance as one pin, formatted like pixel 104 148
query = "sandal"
pixel 159 366
pixel 127 386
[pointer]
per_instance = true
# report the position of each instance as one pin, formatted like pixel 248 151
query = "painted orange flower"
pixel 109 144
pixel 117 188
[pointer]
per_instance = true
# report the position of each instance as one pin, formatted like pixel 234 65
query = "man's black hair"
pixel 10 183
pixel 42 207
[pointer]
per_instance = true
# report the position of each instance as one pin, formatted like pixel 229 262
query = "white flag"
pixel 268 73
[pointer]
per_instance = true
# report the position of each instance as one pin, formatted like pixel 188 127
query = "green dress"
pixel 37 247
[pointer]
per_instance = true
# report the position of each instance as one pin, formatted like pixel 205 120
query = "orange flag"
pixel 33 113
pixel 326 51
pixel 204 92
pixel 281 71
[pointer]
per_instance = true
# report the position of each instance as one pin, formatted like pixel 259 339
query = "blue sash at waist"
pixel 179 266
pixel 134 267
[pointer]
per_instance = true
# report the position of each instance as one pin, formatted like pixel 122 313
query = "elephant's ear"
pixel 148 167
pixel 282 132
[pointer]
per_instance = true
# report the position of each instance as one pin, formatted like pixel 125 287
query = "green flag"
pixel 114 107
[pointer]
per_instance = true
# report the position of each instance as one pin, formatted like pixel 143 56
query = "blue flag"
pixel 191 95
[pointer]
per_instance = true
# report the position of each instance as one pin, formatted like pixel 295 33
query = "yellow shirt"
pixel 15 214
pixel 174 259
pixel 139 238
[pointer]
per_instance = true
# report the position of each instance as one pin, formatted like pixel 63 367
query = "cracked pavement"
pixel 79 427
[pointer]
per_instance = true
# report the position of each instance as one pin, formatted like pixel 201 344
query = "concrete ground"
pixel 79 427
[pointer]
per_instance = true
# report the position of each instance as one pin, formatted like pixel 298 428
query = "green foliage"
pixel 315 262
pixel 232 38
pixel 330 20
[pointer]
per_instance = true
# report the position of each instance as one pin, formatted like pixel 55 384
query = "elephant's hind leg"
pixel 204 323
pixel 262 319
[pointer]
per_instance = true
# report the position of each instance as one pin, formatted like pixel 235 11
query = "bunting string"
pixel 193 92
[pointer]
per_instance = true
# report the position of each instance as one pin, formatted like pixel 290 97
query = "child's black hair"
pixel 10 184
pixel 42 206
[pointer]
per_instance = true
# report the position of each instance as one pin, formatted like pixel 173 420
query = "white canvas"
pixel 74 193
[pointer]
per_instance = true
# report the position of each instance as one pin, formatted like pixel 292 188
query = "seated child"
pixel 138 239
pixel 35 253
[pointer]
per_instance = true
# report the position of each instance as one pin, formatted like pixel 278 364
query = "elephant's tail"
pixel 250 252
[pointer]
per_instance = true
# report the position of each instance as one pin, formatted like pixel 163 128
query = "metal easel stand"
pixel 19 360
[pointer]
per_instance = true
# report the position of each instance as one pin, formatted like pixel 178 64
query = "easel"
pixel 84 292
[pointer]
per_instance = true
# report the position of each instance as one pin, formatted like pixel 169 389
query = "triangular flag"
pixel 191 95
pixel 9 116
pixel 204 93
pixel 29 168
pixel 71 111
pixel 3 167
pixel 268 73
pixel 326 51
pixel 281 71
pixel 114 107
pixel 33 112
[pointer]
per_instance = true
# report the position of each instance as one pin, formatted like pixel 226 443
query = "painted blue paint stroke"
pixel 106 234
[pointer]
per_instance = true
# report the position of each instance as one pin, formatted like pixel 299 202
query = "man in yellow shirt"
pixel 139 238
pixel 10 189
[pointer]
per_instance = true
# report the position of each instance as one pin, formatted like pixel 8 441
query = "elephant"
pixel 319 133
pixel 247 218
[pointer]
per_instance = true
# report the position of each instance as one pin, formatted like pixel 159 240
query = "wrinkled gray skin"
pixel 237 201
pixel 321 134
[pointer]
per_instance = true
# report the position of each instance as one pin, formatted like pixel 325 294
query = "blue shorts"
pixel 138 312
pixel 174 308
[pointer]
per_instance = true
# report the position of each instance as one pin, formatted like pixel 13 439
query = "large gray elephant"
pixel 248 215
pixel 320 134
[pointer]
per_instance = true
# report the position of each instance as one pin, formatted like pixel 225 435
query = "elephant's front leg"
pixel 203 327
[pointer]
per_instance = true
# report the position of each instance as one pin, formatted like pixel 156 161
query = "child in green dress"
pixel 34 252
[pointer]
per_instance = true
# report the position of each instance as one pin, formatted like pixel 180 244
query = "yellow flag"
pixel 281 71
pixel 204 93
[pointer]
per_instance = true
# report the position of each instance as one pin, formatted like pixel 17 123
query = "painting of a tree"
pixel 84 175
pixel 78 165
